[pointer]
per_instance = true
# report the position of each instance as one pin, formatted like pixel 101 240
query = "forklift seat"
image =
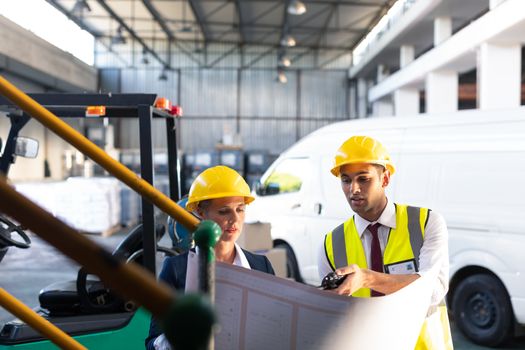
pixel 65 299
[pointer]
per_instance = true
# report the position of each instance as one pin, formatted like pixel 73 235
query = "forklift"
pixel 86 309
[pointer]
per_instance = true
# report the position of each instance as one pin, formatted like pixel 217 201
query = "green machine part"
pixel 130 337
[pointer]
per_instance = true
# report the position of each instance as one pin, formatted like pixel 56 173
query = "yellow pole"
pixel 129 280
pixel 48 119
pixel 37 322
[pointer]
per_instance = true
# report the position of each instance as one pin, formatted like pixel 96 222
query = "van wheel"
pixel 292 268
pixel 482 310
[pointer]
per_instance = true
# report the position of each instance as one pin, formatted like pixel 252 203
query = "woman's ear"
pixel 199 213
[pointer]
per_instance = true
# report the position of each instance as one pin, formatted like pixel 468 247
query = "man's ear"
pixel 385 178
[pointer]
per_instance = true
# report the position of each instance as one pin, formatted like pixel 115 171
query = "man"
pixel 385 246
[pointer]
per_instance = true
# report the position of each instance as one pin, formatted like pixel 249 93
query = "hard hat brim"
pixel 336 171
pixel 192 206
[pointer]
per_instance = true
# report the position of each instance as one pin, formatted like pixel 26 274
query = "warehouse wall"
pixel 219 101
pixel 225 89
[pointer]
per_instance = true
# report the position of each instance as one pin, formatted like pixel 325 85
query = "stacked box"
pixel 86 204
pixel 131 205
pixel 256 237
pixel 233 158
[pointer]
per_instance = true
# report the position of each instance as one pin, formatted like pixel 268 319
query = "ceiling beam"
pixel 215 10
pixel 373 22
pixel 260 57
pixel 76 19
pixel 266 12
pixel 240 19
pixel 285 26
pixel 255 42
pixel 199 17
pixel 159 19
pixel 304 20
pixel 171 37
pixel 335 57
pixel 130 30
pixel 345 49
pixel 324 2
pixel 257 26
pixel 326 23
pixel 223 56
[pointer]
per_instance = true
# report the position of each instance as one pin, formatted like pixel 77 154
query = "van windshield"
pixel 288 176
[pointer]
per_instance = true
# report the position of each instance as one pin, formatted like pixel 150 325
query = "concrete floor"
pixel 25 271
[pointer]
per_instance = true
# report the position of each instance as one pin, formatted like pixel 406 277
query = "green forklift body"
pixel 129 337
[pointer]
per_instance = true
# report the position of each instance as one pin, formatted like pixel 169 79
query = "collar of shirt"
pixel 240 258
pixel 193 267
pixel 387 218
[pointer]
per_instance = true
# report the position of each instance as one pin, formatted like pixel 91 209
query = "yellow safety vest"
pixel 343 247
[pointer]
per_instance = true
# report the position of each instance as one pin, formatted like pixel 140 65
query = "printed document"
pixel 258 311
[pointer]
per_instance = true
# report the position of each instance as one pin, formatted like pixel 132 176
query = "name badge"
pixel 402 268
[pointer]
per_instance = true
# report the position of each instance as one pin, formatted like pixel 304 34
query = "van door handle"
pixel 296 206
pixel 318 208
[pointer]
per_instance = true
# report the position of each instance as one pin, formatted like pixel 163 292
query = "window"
pixel 287 177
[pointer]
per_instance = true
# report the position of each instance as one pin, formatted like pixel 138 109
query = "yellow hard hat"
pixel 218 182
pixel 361 149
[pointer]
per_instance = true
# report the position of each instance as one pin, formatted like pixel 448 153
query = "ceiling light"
pixel 281 77
pixel 145 59
pixel 288 41
pixel 163 75
pixel 186 28
pixel 296 7
pixel 119 38
pixel 285 62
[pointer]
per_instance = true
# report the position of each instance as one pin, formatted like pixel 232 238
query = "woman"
pixel 219 194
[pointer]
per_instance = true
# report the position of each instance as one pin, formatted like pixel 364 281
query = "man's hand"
pixel 355 279
pixel 358 278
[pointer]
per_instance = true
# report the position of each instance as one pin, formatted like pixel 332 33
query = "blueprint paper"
pixel 258 311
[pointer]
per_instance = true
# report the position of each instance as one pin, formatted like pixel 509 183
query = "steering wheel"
pixel 138 254
pixel 6 228
pixel 100 298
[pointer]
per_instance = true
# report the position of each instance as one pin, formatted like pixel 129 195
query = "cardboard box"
pixel 256 236
pixel 277 257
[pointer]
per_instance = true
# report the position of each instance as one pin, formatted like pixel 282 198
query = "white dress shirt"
pixel 161 343
pixel 433 256
pixel 193 266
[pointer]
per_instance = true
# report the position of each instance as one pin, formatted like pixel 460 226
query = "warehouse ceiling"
pixel 325 25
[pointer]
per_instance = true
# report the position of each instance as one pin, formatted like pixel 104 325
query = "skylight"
pixel 51 25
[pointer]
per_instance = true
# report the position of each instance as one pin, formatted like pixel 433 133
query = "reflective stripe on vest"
pixel 343 245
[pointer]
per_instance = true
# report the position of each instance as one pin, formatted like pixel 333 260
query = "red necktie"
pixel 375 253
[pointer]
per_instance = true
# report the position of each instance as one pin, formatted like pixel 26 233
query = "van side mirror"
pixel 259 190
pixel 272 188
pixel 26 147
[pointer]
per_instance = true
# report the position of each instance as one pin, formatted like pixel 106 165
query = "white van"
pixel 469 166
